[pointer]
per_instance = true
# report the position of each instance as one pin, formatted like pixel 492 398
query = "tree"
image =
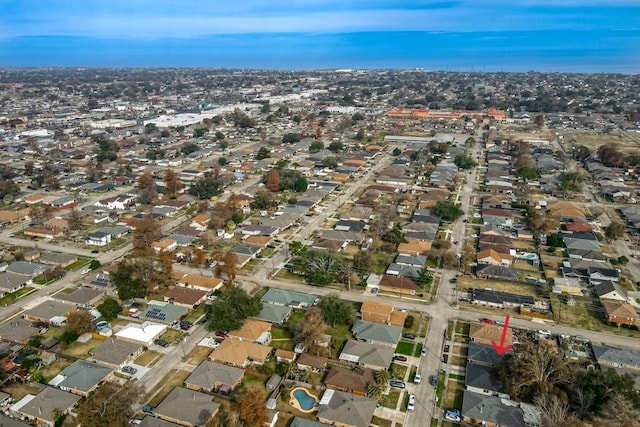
pixel 540 224
pixel 252 410
pixel 172 183
pixel 290 138
pixel 531 370
pixel 336 311
pixel 28 168
pixel 554 412
pixel 263 200
pixel 219 135
pixel 321 268
pixel 396 151
pixel 109 309
pixel 310 328
pixel 147 230
pixel 610 155
pixel 273 180
pixel 555 240
pixel 425 278
pixel 206 187
pixel 300 185
pixel 75 219
pixel 447 210
pixel 232 308
pixel 316 146
pixel 263 153
pixel 147 189
pixel 527 173
pixel 128 283
pixel 39 212
pixel 615 230
pixel 538 120
pixel 592 391
pixel 228 266
pixel 110 405
pixel 199 133
pixel 336 146
pixel 363 262
pixel 465 162
pixel 150 128
pixel 222 161
pixel 188 148
pixel 79 322
pixel 375 390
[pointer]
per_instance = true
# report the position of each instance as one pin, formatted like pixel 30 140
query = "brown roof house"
pixel 620 312
pixel 235 352
pixel 186 297
pixel 354 381
pixel 187 407
pixel 214 377
pixel 311 362
pixel 485 333
pixel 345 410
pixel 374 311
pixel 253 330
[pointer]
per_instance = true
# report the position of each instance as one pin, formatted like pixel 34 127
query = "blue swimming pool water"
pixel 306 402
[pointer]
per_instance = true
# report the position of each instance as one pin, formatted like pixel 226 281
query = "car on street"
pixel 499 322
pixel 399 358
pixel 161 343
pixel 95 251
pixel 148 409
pixel 411 404
pixel 409 336
pixel 433 380
pixel 486 320
pixel 423 352
pixel 129 370
pixel 452 415
pixel 417 378
pixel 545 332
pixel 397 383
pixel 85 271
pixel 185 326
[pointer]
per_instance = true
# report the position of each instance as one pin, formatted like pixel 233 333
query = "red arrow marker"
pixel 502 348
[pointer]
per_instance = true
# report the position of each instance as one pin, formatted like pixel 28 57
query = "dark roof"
pixel 482 354
pixel 499 272
pixel 497 297
pixel 491 409
pixel 482 377
pixel 608 286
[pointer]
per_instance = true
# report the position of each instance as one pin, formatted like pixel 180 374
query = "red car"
pixel 221 334
pixel 485 320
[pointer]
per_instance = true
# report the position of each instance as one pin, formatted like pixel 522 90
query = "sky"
pixel 463 35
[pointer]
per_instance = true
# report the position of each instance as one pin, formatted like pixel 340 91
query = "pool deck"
pixel 294 402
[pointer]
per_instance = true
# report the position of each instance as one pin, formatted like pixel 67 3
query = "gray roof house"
pixel 11 422
pixel 482 354
pixel 11 282
pixel 27 268
pixel 289 298
pixel 367 355
pixel 479 408
pixel 115 353
pixel 187 407
pixel 41 407
pixel 151 421
pixel 272 313
pixel 480 379
pixel 81 377
pixel 17 330
pixel 616 357
pixel 214 377
pixel 610 290
pixel 345 409
pixel 377 333
pixel 413 260
pixel 49 311
pixel 305 422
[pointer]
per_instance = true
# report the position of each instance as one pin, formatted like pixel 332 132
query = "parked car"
pixel 452 415
pixel 423 352
pixel 409 336
pixel 148 409
pixel 161 343
pixel 545 332
pixel 185 326
pixel 433 380
pixel 221 334
pixel 417 378
pixel 397 383
pixel 499 322
pixel 128 369
pixel 411 405
pixel 400 358
pixel 486 320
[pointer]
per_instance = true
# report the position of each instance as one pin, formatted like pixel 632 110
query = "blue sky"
pixel 480 35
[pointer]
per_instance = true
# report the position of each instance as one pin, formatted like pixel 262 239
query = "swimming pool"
pixel 303 400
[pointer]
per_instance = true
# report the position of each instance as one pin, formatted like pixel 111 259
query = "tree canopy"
pixel 464 161
pixel 320 268
pixel 447 210
pixel 206 187
pixel 337 311
pixel 232 308
pixel 109 309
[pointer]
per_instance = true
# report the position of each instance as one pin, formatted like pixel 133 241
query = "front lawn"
pixel 81 349
pixel 390 400
pixel 147 358
pixel 81 262
pixel 406 348
pixel 198 355
pixel 453 399
pixel 174 378
pixel 196 314
pixel 10 298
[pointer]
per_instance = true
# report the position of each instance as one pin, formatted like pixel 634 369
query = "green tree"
pixel 263 153
pixel 330 162
pixel 232 308
pixel 615 230
pixel 527 173
pixel 219 135
pixel 337 311
pixel 200 132
pixel 188 148
pixel 447 210
pixel 320 268
pixel 290 138
pixel 316 146
pixel 425 278
pixel 336 146
pixel 471 141
pixel 300 185
pixel 109 309
pixel 465 162
pixel 94 264
pixel 128 283
pixel 206 187
pixel 555 240
pixel 396 151
pixel 222 161
pixel 150 128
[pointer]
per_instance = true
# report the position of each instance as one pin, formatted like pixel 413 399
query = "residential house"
pixel 377 333
pixel 616 357
pixel 485 333
pixel 235 352
pixel 299 422
pixel 81 377
pixel 253 331
pixel 398 284
pixel 164 245
pixel 49 311
pixel 200 222
pixel 608 290
pixel 500 272
pixel 481 379
pixel 274 314
pixel 11 282
pixel 345 410
pixel 197 281
pixel 58 259
pixel 97 238
pixel 380 312
pixel 187 407
pixel 311 362
pixel 161 312
pixel 27 268
pixel 117 203
pixel 620 312
pixel 352 381
pixel 482 354
pixel 115 353
pixel 185 297
pixel 44 232
pixel 367 355
pixel 288 298
pixel 83 296
pixel 493 257
pixel 42 408
pixel 490 411
pixel 500 299
pixel 214 377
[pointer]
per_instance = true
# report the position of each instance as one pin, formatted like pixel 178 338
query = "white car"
pixel 544 332
pixel 85 271
pixel 417 378
pixel 411 405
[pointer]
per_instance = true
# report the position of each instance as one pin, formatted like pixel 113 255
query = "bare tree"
pixel 553 411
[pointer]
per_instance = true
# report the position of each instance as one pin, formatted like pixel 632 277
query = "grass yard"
pixel 172 335
pixel 462 339
pixel 174 378
pixel 13 296
pixel 147 358
pixel 523 244
pixel 381 422
pixel 81 350
pixel 459 350
pixel 283 343
pixel 453 398
pixel 440 388
pixel 585 315
pixel 252 382
pixel 20 390
pixel 450 330
pixel 280 333
pixel 48 372
pixel 499 285
pixel 198 355
pixel 458 360
pixel 406 348
pixel 296 316
pixel 462 328
pixel 390 400
pixel 81 262
pixel 194 315
pixel 285 274
pixel 418 350
pixel 399 371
